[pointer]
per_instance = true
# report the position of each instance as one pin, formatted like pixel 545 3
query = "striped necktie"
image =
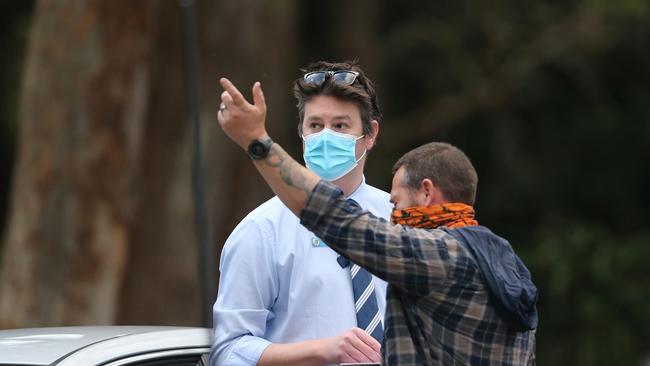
pixel 368 316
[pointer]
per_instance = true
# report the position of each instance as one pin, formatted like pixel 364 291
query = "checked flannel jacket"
pixel 439 311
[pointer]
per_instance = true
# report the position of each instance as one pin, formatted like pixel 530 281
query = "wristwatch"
pixel 259 149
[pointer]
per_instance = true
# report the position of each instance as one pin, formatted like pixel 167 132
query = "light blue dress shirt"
pixel 280 283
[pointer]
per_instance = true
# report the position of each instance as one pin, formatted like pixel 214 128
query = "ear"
pixel 372 137
pixel 430 192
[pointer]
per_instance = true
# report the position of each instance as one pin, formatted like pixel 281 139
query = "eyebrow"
pixel 343 117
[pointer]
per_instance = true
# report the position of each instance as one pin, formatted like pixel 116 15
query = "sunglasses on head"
pixel 345 77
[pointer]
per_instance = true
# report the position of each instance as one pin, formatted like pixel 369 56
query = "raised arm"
pixel 243 123
pixel 385 250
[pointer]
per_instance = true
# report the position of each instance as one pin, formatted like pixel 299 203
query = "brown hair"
pixel 361 92
pixel 448 167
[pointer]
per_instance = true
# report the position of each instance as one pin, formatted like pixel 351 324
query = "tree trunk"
pixel 82 106
pixel 161 284
pixel 101 226
pixel 245 41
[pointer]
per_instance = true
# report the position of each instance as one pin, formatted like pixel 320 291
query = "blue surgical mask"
pixel 331 155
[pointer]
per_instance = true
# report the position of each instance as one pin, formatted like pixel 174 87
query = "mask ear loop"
pixel 362 155
pixel 365 151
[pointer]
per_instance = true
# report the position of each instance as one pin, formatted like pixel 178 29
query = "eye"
pixel 340 126
pixel 315 126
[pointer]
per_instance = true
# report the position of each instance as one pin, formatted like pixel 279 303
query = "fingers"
pixel 236 97
pixel 226 99
pixel 367 345
pixel 368 339
pixel 240 120
pixel 258 96
pixel 361 347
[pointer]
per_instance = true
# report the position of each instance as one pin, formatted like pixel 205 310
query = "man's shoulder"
pixel 374 191
pixel 476 234
pixel 261 226
pixel 377 201
pixel 272 208
pixel 268 216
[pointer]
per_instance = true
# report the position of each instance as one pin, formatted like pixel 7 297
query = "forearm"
pixel 353 345
pixel 394 253
pixel 289 180
pixel 301 353
pixel 243 123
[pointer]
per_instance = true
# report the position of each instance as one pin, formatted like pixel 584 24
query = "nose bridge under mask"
pixel 333 133
pixel 330 154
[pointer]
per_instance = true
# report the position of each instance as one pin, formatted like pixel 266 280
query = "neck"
pixel 351 181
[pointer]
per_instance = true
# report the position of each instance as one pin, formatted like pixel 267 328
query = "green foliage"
pixel 594 294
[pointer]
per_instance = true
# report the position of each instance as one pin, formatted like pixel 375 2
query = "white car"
pixel 106 346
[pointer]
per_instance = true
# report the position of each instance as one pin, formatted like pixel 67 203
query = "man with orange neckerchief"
pixel 457 295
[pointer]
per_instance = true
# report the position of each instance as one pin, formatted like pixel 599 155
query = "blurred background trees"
pixel 548 99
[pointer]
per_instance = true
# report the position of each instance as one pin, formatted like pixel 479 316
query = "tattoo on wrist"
pixel 289 169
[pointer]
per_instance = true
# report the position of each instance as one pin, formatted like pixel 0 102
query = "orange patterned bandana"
pixel 446 214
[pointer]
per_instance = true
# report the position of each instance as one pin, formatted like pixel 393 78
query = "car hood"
pixel 43 346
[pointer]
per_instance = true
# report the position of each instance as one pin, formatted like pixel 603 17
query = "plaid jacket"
pixel 438 309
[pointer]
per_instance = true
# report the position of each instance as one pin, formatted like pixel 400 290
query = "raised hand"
pixel 241 121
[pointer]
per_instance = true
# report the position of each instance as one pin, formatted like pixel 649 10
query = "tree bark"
pixel 161 284
pixel 242 40
pixel 83 101
pixel 101 226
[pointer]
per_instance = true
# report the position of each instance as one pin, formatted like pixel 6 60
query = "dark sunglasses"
pixel 342 76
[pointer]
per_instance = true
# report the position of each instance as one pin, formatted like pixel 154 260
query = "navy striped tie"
pixel 368 316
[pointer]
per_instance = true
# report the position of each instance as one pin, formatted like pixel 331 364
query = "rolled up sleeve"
pixel 247 288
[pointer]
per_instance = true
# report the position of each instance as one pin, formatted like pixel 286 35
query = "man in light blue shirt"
pixel 284 296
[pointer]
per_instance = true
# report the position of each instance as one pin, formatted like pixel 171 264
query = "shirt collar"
pixel 359 191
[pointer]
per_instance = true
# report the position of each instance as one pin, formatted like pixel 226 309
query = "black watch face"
pixel 258 149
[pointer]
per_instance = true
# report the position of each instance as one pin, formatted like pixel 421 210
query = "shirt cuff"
pixel 247 351
pixel 319 201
